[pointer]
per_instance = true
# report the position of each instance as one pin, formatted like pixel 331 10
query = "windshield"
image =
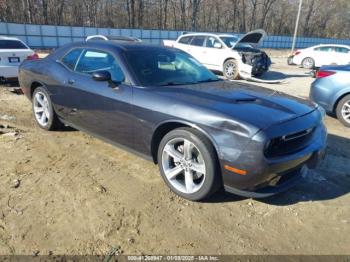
pixel 12 44
pixel 163 67
pixel 231 41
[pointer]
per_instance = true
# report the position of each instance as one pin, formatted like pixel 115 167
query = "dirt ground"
pixel 68 193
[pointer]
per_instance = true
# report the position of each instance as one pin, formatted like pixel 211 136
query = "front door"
pixel 215 53
pixel 103 108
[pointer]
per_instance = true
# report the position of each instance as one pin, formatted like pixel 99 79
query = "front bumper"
pixel 266 176
pixel 282 182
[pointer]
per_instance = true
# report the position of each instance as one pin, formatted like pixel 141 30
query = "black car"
pixel 204 133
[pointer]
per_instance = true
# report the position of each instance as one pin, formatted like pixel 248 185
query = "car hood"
pixel 253 38
pixel 257 106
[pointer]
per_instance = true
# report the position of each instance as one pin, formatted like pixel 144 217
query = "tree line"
pixel 319 18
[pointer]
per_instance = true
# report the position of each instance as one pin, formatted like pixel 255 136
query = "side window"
pixel 325 49
pixel 185 40
pixel 71 58
pixel 198 41
pixel 211 40
pixel 93 60
pixel 341 50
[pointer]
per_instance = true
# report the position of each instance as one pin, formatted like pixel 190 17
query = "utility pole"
pixel 296 26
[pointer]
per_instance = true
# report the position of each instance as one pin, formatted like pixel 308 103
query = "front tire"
pixel 231 70
pixel 308 63
pixel 43 111
pixel 343 111
pixel 188 164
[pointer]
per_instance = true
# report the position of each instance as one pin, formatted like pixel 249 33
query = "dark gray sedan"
pixel 204 133
pixel 331 90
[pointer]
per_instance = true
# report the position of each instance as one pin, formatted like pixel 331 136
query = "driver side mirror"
pixel 102 76
pixel 217 45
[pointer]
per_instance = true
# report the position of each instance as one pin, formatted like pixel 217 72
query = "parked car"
pixel 320 55
pixel 203 132
pixel 113 38
pixel 331 90
pixel 13 51
pixel 235 57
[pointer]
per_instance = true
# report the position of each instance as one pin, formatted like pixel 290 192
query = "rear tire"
pixel 43 111
pixel 188 164
pixel 308 63
pixel 343 111
pixel 230 70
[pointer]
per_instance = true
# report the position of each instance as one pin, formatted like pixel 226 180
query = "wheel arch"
pixel 335 105
pixel 33 86
pixel 229 58
pixel 165 127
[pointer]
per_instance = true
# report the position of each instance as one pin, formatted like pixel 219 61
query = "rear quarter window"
pixel 185 40
pixel 341 50
pixel 12 44
pixel 70 59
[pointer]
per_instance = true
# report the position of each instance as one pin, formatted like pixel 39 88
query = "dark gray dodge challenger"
pixel 203 132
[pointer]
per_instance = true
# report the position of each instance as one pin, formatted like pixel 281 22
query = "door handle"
pixel 71 81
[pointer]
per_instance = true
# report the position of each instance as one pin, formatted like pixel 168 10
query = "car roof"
pixel 3 37
pixel 112 37
pixel 207 34
pixel 120 46
pixel 336 45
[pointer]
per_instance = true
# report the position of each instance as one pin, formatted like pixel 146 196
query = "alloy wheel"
pixel 183 165
pixel 308 63
pixel 41 108
pixel 345 111
pixel 230 69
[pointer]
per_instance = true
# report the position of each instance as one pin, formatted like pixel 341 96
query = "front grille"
pixel 289 144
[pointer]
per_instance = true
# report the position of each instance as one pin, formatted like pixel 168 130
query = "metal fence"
pixel 48 36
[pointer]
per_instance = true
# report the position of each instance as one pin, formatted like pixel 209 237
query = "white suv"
pixel 234 57
pixel 12 52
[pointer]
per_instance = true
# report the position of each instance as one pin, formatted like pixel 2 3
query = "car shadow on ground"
pixel 274 75
pixel 330 180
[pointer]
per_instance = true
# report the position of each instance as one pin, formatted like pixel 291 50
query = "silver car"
pixel 331 90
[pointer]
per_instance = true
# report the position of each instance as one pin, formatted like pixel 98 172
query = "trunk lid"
pixel 14 57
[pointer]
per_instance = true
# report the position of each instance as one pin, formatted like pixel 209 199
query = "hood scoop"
pixel 245 100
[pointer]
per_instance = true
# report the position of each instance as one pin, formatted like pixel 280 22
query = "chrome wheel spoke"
pixel 172 173
pixel 190 185
pixel 187 149
pixel 198 168
pixel 47 114
pixel 171 151
pixel 38 109
pixel 39 99
pixel 43 118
